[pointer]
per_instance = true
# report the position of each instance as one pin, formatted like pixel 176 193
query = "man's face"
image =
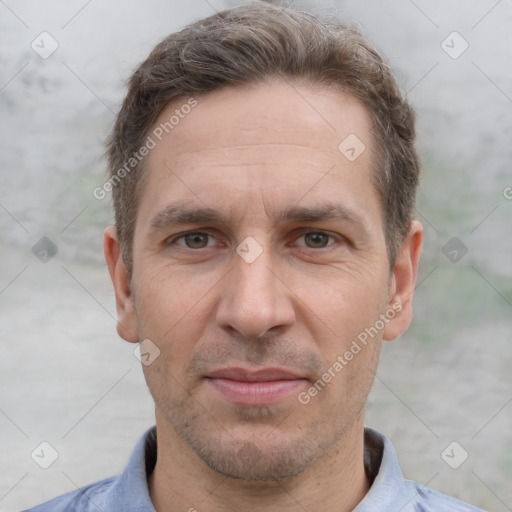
pixel 259 257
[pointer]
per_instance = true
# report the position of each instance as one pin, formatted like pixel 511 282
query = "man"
pixel 263 173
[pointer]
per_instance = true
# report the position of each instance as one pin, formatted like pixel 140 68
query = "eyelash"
pixel 174 240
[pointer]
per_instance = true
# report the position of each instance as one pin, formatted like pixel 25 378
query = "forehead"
pixel 280 138
pixel 278 112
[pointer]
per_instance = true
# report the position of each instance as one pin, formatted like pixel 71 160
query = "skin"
pixel 250 154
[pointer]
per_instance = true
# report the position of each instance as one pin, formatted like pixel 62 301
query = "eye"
pixel 196 240
pixel 316 240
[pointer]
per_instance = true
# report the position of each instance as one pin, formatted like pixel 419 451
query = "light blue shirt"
pixel 389 491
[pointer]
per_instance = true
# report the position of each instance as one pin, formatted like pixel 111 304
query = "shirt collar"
pixel 130 492
pixel 383 471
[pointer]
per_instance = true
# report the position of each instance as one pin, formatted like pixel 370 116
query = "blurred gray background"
pixel 66 377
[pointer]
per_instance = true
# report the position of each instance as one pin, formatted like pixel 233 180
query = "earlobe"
pixel 127 320
pixel 403 282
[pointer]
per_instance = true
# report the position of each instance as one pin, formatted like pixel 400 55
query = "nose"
pixel 255 299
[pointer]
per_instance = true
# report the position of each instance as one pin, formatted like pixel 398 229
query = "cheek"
pixel 346 304
pixel 342 326
pixel 166 293
pixel 172 310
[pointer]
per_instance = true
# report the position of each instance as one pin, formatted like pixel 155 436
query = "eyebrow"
pixel 183 214
pixel 323 212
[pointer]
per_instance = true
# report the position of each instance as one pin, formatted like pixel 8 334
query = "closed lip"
pixel 261 375
pixel 255 387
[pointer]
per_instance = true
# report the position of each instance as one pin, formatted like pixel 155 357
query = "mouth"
pixel 260 387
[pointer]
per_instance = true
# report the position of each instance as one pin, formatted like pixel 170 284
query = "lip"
pixel 263 375
pixel 259 387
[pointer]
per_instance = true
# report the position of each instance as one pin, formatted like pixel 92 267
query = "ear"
pixel 126 318
pixel 403 281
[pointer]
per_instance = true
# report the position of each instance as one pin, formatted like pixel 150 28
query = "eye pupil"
pixel 196 240
pixel 316 240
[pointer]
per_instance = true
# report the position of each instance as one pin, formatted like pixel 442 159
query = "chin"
pixel 255 452
pixel 265 443
pixel 252 461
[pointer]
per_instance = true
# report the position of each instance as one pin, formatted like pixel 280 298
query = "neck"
pixel 182 481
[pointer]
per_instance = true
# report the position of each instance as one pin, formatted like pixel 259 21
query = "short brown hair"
pixel 251 44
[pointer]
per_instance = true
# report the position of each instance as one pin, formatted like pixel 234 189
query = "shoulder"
pixel 429 500
pixel 391 491
pixel 86 499
pixel 126 492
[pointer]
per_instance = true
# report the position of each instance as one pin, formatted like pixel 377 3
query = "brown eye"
pixel 196 240
pixel 316 240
